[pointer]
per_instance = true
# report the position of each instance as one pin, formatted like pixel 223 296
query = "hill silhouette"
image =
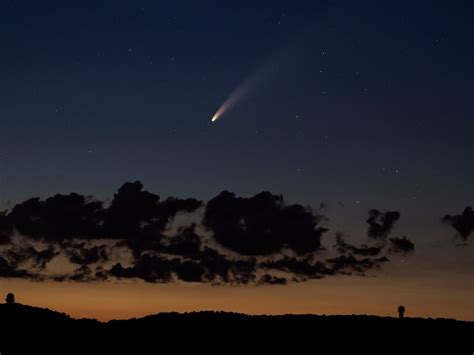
pixel 25 328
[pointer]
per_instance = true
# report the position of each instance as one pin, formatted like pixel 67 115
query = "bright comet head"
pixel 238 95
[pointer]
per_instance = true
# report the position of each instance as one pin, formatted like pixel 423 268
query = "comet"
pixel 242 91
pixel 283 57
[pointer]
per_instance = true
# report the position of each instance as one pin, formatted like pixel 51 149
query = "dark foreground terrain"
pixel 26 330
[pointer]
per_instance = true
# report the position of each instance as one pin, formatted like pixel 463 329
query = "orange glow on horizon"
pixel 447 297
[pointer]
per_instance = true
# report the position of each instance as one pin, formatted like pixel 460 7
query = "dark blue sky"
pixel 371 104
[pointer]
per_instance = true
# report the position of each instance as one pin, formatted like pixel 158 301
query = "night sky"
pixel 351 106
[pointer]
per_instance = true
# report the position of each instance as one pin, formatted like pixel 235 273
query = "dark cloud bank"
pixel 259 240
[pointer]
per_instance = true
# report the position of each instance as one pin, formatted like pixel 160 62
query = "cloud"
pixel 83 273
pixel 7 270
pixel 6 228
pixel 381 223
pixel 186 243
pixel 343 247
pixel 401 245
pixel 301 267
pixel 306 268
pixel 259 240
pixel 57 218
pixel 221 269
pixel 133 213
pixel 462 223
pixel 211 267
pixel 148 267
pixel 345 264
pixel 168 209
pixel 138 218
pixel 189 271
pixel 80 253
pixel 28 254
pixel 262 224
pixel 268 279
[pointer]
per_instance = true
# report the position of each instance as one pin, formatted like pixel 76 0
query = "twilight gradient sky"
pixel 364 105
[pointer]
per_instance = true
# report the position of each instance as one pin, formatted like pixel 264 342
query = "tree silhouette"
pixel 10 299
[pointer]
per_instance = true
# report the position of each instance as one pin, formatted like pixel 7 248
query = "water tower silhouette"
pixel 401 311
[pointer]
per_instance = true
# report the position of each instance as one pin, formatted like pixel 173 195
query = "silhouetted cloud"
pixel 221 270
pixel 305 267
pixel 130 210
pixel 57 218
pixel 149 268
pixel 7 270
pixel 189 271
pixel 345 264
pixel 186 243
pixel 28 254
pixel 259 240
pixel 83 273
pixel 343 247
pixel 381 223
pixel 168 209
pixel 212 267
pixel 268 279
pixel 463 223
pixel 401 245
pixel 80 253
pixel 6 228
pixel 262 224
pixel 133 213
pixel 138 218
